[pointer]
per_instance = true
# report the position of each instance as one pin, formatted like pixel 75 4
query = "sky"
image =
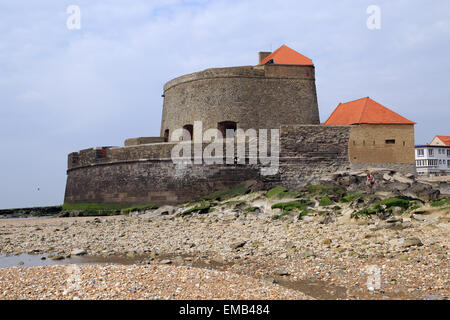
pixel 65 89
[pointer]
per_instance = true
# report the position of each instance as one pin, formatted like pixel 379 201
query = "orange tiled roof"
pixel 364 111
pixel 285 55
pixel 445 140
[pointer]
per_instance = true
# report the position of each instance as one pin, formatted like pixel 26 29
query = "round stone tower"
pixel 279 91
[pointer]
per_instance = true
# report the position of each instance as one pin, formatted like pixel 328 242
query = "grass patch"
pixel 205 207
pixel 272 193
pixel 441 202
pixel 140 208
pixel 325 201
pixel 103 209
pixel 326 190
pixel 352 197
pixel 304 213
pixel 391 203
pixel 221 195
pixel 251 209
pixel 364 213
pixel 282 193
pixel 234 203
pixel 288 206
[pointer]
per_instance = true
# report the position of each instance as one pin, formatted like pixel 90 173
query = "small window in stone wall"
pixel 404 143
pixel 390 141
pixel 100 153
pixel 166 135
pixel 75 159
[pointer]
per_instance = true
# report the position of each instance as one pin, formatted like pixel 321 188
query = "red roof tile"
pixel 364 111
pixel 445 140
pixel 285 55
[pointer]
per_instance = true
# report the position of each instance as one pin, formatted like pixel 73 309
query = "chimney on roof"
pixel 263 55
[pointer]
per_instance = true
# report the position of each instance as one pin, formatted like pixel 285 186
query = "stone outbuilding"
pixel 380 136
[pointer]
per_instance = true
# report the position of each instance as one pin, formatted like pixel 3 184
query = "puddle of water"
pixel 4 217
pixel 315 288
pixel 29 260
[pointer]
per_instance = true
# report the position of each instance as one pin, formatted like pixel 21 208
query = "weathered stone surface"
pixel 78 252
pixel 410 242
pixel 247 95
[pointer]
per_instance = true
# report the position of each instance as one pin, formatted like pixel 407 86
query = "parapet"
pixel 142 140
pixel 265 71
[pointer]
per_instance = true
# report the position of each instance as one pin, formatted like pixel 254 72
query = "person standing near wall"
pixel 370 181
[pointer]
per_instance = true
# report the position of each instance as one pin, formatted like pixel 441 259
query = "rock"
pixel 418 218
pixel 422 191
pixel 165 210
pixel 403 257
pixel 289 245
pixel 271 280
pixel 444 219
pixel 328 219
pixel 238 245
pixel 387 177
pixel 396 186
pixel 402 179
pixel 308 253
pixel 167 261
pixel 326 242
pixel 56 257
pixel 283 256
pixel 78 252
pixel 394 220
pixel 282 272
pixel 411 242
pixel 21 263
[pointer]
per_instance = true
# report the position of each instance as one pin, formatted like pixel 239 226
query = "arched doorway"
pixel 227 125
pixel 189 133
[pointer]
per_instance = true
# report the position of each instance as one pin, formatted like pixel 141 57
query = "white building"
pixel 433 159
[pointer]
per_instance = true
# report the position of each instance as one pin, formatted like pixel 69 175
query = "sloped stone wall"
pixel 146 174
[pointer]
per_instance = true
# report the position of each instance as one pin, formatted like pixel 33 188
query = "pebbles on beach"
pixel 135 282
pixel 411 255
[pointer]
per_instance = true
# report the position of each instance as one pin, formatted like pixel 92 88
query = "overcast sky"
pixel 63 90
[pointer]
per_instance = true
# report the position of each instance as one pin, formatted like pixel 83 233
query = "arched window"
pixel 227 125
pixel 166 135
pixel 189 135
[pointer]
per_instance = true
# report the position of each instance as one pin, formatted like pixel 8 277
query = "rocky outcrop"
pixel 389 182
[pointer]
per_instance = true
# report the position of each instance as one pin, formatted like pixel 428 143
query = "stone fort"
pixel 278 93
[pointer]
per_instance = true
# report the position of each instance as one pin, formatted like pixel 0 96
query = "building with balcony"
pixel 433 160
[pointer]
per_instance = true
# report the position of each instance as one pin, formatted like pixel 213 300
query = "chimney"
pixel 263 55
